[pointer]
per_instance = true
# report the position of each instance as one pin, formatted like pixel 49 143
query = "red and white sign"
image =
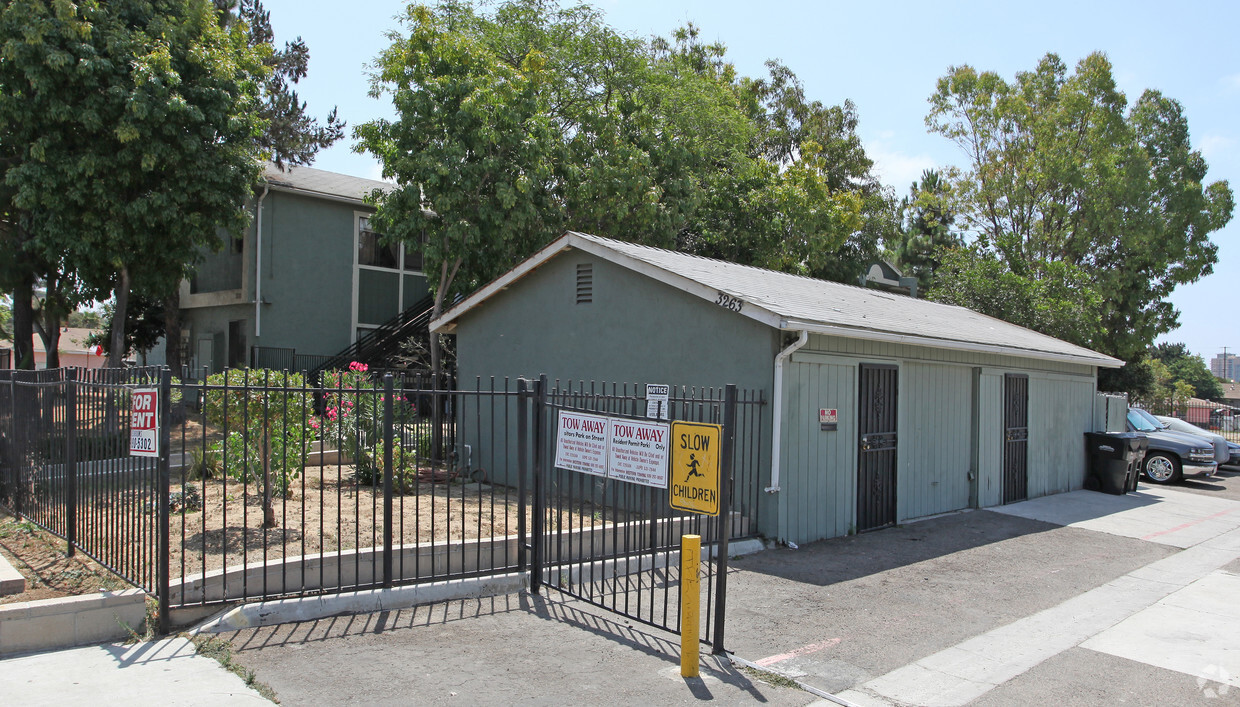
pixel 582 443
pixel 144 423
pixel 638 452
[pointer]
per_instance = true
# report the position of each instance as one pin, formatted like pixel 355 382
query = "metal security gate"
pixel 876 455
pixel 616 544
pixel 1015 437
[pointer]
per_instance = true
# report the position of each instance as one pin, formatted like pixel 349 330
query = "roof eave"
pixel 1099 360
pixel 446 323
pixel 326 196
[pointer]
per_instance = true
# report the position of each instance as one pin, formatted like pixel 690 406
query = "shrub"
pixel 268 415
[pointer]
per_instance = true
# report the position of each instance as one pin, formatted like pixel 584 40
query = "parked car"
pixel 1225 419
pixel 1224 452
pixel 1171 454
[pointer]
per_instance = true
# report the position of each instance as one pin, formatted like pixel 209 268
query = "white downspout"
pixel 258 265
pixel 778 423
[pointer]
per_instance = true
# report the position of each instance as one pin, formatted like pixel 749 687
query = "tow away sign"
pixel 144 423
pixel 695 467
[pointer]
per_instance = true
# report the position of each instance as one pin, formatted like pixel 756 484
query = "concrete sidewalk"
pixel 521 648
pixel 167 672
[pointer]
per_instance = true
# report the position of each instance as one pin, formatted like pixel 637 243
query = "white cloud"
pixel 1215 146
pixel 897 169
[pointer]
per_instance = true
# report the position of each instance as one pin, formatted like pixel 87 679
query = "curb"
pixel 270 613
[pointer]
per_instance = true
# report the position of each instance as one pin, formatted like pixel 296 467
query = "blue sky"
pixel 886 57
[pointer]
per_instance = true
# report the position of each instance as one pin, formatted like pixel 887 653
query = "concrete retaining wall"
pixel 50 624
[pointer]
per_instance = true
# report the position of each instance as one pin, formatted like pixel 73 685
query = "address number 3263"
pixel 728 302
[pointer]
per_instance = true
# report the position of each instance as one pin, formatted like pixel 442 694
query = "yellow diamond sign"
pixel 694 477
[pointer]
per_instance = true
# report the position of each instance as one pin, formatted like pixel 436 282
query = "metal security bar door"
pixel 1015 437
pixel 876 454
pixel 613 543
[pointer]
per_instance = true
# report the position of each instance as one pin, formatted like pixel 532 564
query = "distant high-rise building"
pixel 1226 365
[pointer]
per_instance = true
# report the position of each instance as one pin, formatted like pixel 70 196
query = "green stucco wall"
pixel 636 330
pixel 307 281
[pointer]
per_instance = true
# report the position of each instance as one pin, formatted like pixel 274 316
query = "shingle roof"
pixel 323 183
pixel 792 302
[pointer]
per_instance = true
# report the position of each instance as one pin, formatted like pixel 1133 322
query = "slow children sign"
pixel 626 450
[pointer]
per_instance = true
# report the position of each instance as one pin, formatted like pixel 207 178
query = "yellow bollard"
pixel 690 597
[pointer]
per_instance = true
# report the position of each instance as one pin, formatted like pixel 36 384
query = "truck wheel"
pixel 1162 468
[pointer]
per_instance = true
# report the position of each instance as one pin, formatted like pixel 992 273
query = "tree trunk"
pixel 174 356
pixel 116 352
pixel 445 281
pixel 23 325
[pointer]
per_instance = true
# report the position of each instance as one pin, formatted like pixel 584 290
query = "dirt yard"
pixel 40 557
pixel 331 512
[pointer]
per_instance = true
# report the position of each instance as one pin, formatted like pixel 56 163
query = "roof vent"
pixel 585 283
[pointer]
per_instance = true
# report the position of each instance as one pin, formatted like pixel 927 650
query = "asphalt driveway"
pixel 1075 599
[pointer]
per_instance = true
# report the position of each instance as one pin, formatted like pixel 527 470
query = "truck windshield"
pixel 1139 423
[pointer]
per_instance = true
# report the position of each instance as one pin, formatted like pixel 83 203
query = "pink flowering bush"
pixel 353 416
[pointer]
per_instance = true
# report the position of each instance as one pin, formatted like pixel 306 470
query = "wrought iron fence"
pixel 615 543
pixel 1218 418
pixel 64 464
pixel 268 486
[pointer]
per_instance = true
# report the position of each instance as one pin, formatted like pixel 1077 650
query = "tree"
pixel 143 330
pixel 1183 365
pixel 519 123
pixel 927 217
pixel 130 138
pixel 6 319
pixel 1065 179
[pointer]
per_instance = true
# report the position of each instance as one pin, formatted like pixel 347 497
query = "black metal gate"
pixel 616 544
pixel 876 455
pixel 1015 437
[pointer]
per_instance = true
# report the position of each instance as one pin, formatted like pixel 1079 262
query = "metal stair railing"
pixel 383 341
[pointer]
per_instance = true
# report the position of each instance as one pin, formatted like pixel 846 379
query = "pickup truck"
pixel 1172 454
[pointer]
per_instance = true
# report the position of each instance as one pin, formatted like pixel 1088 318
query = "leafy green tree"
pixel 84 319
pixel 1183 365
pixel 130 138
pixel 6 319
pixel 1064 178
pixel 516 124
pixel 1060 302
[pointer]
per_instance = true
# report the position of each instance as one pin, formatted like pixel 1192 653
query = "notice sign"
pixel 582 443
pixel 695 467
pixel 656 401
pixel 639 452
pixel 143 423
pixel 828 418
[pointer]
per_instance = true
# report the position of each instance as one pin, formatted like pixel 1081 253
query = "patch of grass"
pixel 770 678
pixel 222 652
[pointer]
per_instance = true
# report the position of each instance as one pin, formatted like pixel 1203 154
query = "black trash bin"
pixel 1114 460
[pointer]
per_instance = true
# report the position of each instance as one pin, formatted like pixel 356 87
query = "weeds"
pixel 222 652
pixel 770 678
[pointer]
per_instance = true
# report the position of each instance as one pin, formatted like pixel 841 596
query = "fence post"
pixel 725 514
pixel 523 449
pixel 71 460
pixel 165 438
pixel 536 552
pixel 388 392
pixel 16 450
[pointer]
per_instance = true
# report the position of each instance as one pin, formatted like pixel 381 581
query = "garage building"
pixel 886 408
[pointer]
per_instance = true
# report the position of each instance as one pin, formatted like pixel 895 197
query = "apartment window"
pixel 370 252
